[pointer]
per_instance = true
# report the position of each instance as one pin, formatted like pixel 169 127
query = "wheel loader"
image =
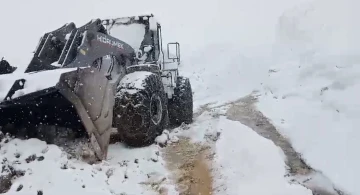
pixel 109 74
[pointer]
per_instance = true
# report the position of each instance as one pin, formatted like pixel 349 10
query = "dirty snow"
pixel 129 171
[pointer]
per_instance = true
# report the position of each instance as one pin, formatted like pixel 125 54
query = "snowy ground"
pixel 129 171
pixel 244 162
pixel 323 120
pixel 308 82
pixel 254 162
pixel 311 94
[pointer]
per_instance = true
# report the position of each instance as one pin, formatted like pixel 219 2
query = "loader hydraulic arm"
pixel 95 45
pixel 69 46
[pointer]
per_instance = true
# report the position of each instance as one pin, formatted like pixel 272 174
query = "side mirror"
pixel 175 51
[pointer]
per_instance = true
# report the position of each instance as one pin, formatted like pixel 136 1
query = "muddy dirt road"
pixel 191 163
pixel 245 112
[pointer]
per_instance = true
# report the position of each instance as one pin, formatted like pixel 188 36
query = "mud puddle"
pixel 245 112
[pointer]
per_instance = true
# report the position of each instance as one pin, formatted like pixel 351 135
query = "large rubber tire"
pixel 140 112
pixel 181 105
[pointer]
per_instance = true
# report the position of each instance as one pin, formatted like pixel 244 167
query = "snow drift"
pixel 254 162
pixel 314 84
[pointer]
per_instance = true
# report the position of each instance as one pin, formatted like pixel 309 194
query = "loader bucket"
pixel 70 82
pixel 51 98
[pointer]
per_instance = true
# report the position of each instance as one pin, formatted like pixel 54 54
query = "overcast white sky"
pixel 192 23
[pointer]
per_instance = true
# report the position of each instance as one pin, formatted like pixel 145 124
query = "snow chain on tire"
pixel 140 115
pixel 181 105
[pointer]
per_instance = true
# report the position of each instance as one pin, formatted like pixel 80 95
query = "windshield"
pixel 132 34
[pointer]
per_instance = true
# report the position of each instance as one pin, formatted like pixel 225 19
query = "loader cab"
pixel 143 33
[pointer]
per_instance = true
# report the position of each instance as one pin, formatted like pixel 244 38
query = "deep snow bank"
pixel 311 92
pixel 249 161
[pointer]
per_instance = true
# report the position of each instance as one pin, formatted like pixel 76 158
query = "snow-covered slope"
pixel 311 92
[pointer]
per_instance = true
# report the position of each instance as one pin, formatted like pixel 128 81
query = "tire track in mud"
pixel 244 111
pixel 189 163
